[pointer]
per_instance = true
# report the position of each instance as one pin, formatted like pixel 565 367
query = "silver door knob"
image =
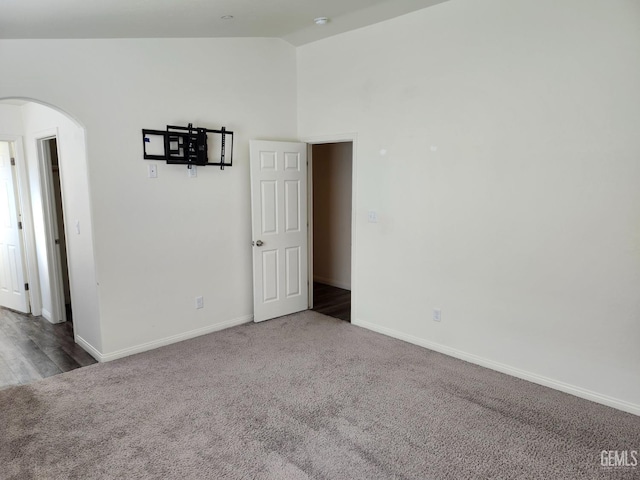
pixel 259 243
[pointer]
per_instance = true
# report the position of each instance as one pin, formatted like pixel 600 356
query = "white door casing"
pixel 279 228
pixel 58 311
pixel 13 293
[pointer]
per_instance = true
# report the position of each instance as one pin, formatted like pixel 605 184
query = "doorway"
pixel 54 229
pixel 332 185
pixel 286 244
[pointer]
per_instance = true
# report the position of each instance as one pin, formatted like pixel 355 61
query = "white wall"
pixel 161 242
pixel 332 165
pixel 508 195
pixel 11 120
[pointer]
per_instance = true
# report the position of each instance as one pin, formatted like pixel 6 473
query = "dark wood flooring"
pixel 31 348
pixel 332 301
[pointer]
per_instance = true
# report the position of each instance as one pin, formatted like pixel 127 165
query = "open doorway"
pixel 58 217
pixel 331 174
pixel 54 228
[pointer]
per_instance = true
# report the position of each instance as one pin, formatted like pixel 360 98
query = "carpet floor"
pixel 303 397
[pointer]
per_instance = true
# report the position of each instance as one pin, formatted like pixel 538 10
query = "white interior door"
pixel 13 293
pixel 279 227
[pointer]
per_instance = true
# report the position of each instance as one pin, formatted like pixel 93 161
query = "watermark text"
pixel 619 458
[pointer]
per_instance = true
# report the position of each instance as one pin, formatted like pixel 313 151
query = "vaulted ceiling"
pixel 291 20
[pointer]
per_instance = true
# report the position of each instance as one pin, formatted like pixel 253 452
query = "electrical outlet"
pixel 437 315
pixel 199 302
pixel 192 171
pixel 373 216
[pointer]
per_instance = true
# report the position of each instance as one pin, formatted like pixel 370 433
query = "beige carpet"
pixel 304 396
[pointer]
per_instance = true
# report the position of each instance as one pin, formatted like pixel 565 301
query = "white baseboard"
pixel 501 367
pixel 331 282
pixel 90 349
pixel 125 352
pixel 47 314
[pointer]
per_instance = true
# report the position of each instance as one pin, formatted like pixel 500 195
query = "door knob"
pixel 259 243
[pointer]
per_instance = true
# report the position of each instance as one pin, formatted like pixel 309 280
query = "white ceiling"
pixel 291 20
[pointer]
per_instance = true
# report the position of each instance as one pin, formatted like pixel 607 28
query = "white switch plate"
pixel 199 302
pixel 192 172
pixel 153 171
pixel 437 315
pixel 78 227
pixel 373 216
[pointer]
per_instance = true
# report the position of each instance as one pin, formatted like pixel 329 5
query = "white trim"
pixel 90 349
pixel 47 314
pixel 334 138
pixel 501 367
pixel 331 282
pixel 341 138
pixel 51 227
pixel 31 253
pixel 125 352
pixel 310 244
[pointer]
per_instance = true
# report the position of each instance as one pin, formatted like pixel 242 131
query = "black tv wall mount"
pixel 188 145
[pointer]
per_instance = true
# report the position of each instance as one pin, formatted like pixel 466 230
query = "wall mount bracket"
pixel 188 145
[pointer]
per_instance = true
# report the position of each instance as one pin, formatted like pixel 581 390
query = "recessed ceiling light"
pixel 227 17
pixel 321 20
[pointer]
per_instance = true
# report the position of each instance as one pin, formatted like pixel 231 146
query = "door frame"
pixel 58 313
pixel 318 140
pixel 28 234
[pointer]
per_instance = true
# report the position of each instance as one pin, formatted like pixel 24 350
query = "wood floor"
pixel 332 301
pixel 31 348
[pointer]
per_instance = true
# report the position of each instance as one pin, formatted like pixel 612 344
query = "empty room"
pixel 183 182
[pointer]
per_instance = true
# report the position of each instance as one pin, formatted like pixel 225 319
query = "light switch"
pixel 153 171
pixel 373 216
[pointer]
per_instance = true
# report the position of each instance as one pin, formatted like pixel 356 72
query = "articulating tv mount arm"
pixel 186 145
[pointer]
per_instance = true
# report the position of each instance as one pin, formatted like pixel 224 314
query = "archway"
pixel 52 178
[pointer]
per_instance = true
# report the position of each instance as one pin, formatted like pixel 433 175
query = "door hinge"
pixel 19 225
pixel 26 286
pixel 13 162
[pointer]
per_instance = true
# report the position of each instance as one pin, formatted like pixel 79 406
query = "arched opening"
pixel 52 210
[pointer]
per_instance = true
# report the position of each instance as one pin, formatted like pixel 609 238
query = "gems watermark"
pixel 619 458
